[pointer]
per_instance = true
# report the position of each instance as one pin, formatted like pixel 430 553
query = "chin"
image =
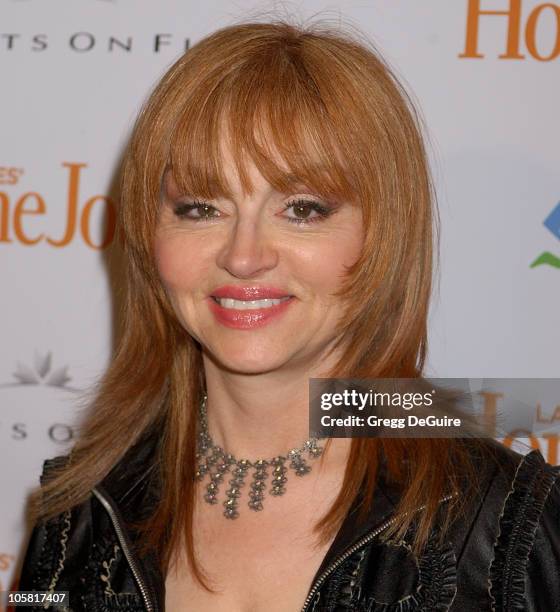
pixel 243 361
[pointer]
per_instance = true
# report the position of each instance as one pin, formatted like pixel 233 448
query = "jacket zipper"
pixel 150 606
pixel 350 551
pixel 314 588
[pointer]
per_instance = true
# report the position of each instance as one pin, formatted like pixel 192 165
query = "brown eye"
pixel 301 211
pixel 197 211
pixel 307 211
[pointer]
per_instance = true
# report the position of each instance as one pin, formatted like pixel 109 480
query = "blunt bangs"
pixel 270 112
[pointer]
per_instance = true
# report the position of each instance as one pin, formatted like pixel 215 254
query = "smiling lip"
pixel 249 293
pixel 249 318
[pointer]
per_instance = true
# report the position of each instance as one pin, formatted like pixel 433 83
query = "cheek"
pixel 351 248
pixel 324 266
pixel 176 262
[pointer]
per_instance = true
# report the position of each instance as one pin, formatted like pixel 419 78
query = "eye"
pixel 196 210
pixel 307 211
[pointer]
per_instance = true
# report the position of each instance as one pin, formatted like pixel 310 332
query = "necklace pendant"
pixel 201 471
pixel 211 492
pixel 215 479
pixel 215 462
pixel 231 508
pixel 279 479
pixel 299 465
pixel 256 495
pixel 312 448
pixel 238 480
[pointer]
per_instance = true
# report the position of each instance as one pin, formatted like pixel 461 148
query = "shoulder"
pixel 519 522
pixel 52 465
pixel 507 478
pixel 50 540
pixel 527 549
pixel 507 539
pixel 86 531
pixel 515 489
pixel 523 487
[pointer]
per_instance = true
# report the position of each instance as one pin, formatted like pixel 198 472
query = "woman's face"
pixel 251 278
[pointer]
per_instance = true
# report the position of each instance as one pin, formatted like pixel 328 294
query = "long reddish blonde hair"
pixel 343 124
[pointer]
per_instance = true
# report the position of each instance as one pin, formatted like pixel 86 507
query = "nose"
pixel 248 251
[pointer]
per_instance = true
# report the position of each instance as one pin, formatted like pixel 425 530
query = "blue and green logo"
pixel 552 223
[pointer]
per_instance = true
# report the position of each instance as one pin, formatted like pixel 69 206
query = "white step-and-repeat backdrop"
pixel 73 73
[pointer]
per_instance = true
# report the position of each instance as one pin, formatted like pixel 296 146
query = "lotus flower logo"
pixel 41 373
pixel 552 223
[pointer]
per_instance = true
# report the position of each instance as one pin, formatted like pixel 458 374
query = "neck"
pixel 261 416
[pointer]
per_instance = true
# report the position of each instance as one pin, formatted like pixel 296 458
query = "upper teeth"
pixel 248 304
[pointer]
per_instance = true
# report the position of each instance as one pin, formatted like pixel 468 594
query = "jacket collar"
pixel 132 486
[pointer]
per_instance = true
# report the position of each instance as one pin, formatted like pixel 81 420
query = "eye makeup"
pixel 303 211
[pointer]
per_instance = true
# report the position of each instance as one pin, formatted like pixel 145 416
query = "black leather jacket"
pixel 504 556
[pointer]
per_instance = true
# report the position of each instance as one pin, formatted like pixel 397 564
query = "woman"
pixel 277 218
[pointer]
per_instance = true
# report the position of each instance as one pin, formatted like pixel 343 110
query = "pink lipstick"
pixel 248 307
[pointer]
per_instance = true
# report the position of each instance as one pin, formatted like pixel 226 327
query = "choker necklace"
pixel 213 460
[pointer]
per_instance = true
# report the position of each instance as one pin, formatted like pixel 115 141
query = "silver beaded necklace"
pixel 215 462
